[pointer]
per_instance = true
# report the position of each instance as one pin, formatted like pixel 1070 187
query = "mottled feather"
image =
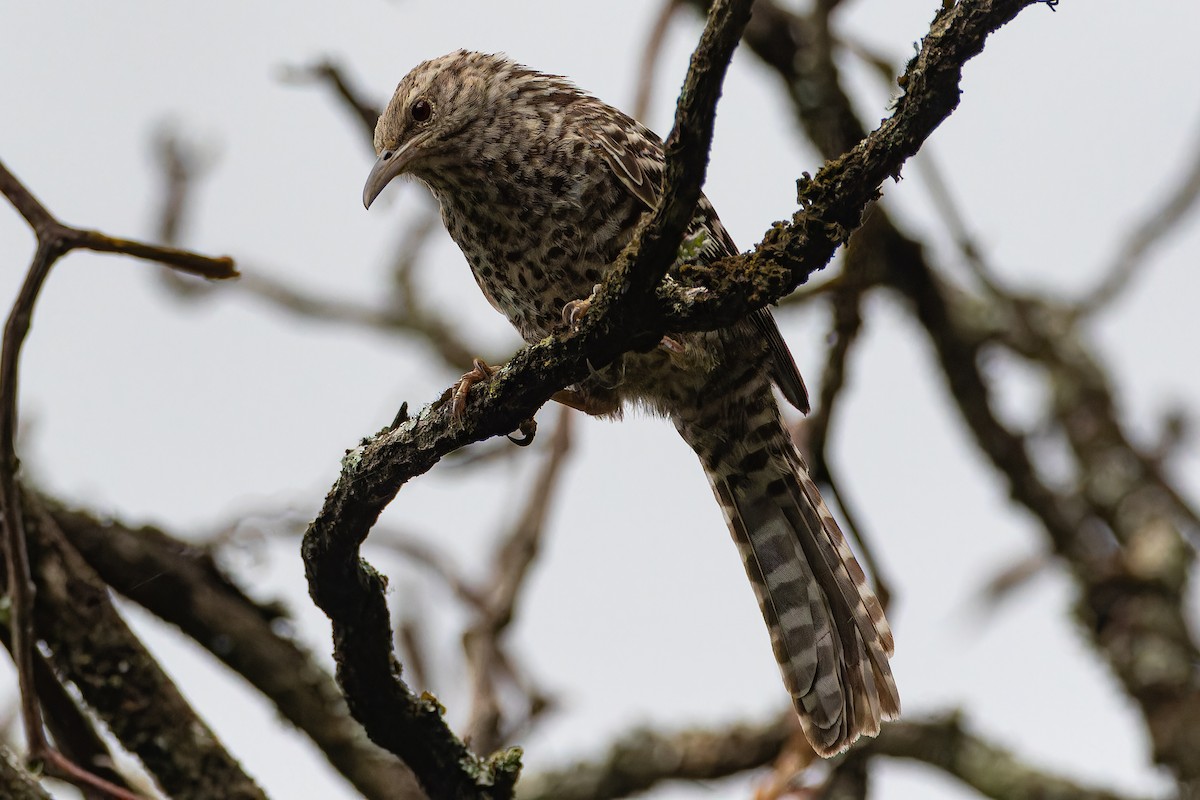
pixel 541 186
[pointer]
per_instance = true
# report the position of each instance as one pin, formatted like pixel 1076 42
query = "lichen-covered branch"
pixel 644 759
pixel 621 318
pixel 91 646
pixel 182 585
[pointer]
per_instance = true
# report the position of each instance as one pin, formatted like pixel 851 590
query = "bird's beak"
pixel 389 164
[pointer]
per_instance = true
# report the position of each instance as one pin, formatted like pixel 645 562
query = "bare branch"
pixel 54 241
pixel 486 657
pixel 330 73
pixel 945 743
pixel 645 758
pixel 1146 235
pixel 649 64
pixel 90 645
pixel 181 584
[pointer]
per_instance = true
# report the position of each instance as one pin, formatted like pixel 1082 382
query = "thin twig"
pixel 648 68
pixel 326 71
pixel 54 241
pixel 482 642
pixel 1155 227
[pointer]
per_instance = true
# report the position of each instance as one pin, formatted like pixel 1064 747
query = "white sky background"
pixel 1072 124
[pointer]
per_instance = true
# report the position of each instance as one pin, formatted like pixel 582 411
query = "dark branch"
pixel 54 240
pixel 646 758
pixel 90 645
pixel 182 585
pixel 623 316
pixel 16 783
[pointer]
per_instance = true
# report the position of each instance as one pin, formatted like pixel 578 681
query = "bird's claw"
pixel 528 430
pixel 480 371
pixel 673 346
pixel 574 311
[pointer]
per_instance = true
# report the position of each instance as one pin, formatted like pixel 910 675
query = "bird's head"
pixel 423 124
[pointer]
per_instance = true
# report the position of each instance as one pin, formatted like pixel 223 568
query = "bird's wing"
pixel 638 166
pixel 635 155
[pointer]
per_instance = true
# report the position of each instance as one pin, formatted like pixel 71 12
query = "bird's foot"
pixel 673 346
pixel 527 431
pixel 574 311
pixel 480 371
pixel 593 404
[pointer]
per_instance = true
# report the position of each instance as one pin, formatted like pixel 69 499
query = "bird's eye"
pixel 421 111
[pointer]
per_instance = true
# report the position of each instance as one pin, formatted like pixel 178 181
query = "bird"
pixel 541 185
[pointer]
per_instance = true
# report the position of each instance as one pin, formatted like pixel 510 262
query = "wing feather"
pixel 637 161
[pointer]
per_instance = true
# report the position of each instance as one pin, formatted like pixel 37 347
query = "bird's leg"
pixel 590 403
pixel 574 311
pixel 480 371
pixel 673 346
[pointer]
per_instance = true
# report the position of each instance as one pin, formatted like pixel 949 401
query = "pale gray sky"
pixel 1071 124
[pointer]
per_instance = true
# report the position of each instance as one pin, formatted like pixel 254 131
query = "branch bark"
pixel 646 758
pixel 91 646
pixel 181 584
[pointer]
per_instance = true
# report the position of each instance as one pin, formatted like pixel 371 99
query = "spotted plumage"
pixel 541 186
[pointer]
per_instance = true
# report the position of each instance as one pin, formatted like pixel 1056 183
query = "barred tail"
pixel 827 626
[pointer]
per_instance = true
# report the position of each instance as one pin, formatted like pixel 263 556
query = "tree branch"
pixel 644 759
pixel 182 585
pixel 16 783
pixel 91 646
pixel 987 768
pixel 624 315
pixel 54 241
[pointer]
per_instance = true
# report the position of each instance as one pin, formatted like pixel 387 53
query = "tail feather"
pixel 827 627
